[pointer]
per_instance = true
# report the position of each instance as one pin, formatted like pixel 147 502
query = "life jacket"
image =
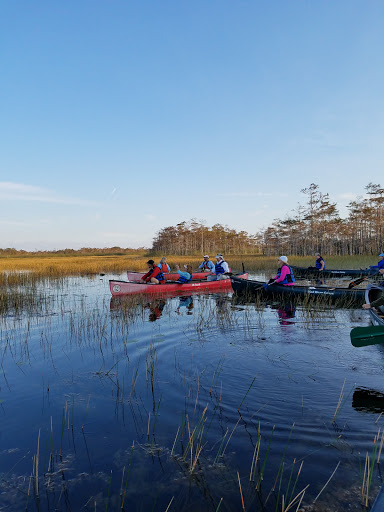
pixel 380 264
pixel 289 278
pixel 218 268
pixel 159 276
pixel 166 268
pixel 205 265
pixel 318 263
pixel 183 279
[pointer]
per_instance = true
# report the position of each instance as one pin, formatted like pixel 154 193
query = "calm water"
pixel 166 404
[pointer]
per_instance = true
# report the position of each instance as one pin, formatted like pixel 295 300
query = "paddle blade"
pixel 364 336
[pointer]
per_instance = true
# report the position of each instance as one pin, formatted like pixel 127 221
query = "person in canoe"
pixel 207 265
pixel 319 263
pixel 154 274
pixel 185 275
pixel 284 274
pixel 380 264
pixel 220 271
pixel 375 304
pixel 163 265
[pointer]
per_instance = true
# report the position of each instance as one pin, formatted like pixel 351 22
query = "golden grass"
pixel 57 266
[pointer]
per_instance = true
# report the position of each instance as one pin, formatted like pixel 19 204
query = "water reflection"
pixel 185 301
pixel 368 400
pixel 156 309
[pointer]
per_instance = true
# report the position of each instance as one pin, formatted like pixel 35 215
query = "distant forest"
pixel 315 226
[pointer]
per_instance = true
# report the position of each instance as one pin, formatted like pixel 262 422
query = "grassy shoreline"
pixel 55 266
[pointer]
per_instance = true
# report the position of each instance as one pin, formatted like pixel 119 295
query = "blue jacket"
pixel 185 277
pixel 318 262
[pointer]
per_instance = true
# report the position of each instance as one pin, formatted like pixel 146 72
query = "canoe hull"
pixel 136 276
pixel 372 293
pixel 129 288
pixel 252 288
pixel 332 273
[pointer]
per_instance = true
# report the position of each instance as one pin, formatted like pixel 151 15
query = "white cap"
pixel 205 256
pixel 219 256
pixel 283 258
pixel 185 266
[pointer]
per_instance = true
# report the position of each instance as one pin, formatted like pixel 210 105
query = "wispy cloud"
pixel 10 191
pixel 248 194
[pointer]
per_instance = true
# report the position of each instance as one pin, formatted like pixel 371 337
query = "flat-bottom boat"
pixel 131 287
pixel 312 272
pixel 344 296
pixel 172 276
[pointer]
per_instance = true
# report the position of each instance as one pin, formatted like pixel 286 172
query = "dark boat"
pixel 312 272
pixel 343 296
pixel 373 292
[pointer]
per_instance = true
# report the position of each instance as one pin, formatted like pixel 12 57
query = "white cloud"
pixel 10 191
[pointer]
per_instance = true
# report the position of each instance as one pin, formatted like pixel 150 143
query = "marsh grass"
pixel 59 266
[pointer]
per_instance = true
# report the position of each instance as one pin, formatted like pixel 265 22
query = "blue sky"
pixel 120 118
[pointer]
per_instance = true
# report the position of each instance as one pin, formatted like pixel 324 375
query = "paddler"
pixel 220 271
pixel 154 274
pixel 284 274
pixel 207 265
pixel 319 263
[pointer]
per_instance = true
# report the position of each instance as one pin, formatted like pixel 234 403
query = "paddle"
pixel 354 283
pixel 364 336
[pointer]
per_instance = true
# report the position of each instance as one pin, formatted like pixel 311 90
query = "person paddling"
pixel 220 270
pixel 284 274
pixel 207 265
pixel 319 263
pixel 154 274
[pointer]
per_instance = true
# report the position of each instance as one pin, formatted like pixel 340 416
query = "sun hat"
pixel 218 255
pixel 150 262
pixel 205 256
pixel 283 258
pixel 381 255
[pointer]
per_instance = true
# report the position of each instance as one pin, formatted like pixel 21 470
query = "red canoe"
pixel 136 276
pixel 129 288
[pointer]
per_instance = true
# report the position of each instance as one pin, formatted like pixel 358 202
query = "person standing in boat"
pixel 186 275
pixel 207 265
pixel 319 263
pixel 154 274
pixel 163 265
pixel 220 271
pixel 284 274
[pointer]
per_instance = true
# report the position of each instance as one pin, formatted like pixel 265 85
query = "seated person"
pixel 220 271
pixel 185 276
pixel 320 263
pixel 163 265
pixel 207 266
pixel 154 274
pixel 284 274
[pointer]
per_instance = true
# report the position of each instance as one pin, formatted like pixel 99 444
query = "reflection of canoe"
pixel 333 273
pixel 136 276
pixel 345 296
pixel 368 400
pixel 125 288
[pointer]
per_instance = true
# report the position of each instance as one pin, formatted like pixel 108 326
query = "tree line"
pixel 315 226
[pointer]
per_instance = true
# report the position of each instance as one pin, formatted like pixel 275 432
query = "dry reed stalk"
pixel 166 510
pixel 327 482
pixel 37 465
pixel 149 419
pixel 241 492
pixel 174 442
pixel 339 402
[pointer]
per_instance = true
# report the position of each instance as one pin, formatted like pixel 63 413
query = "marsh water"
pixel 200 402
